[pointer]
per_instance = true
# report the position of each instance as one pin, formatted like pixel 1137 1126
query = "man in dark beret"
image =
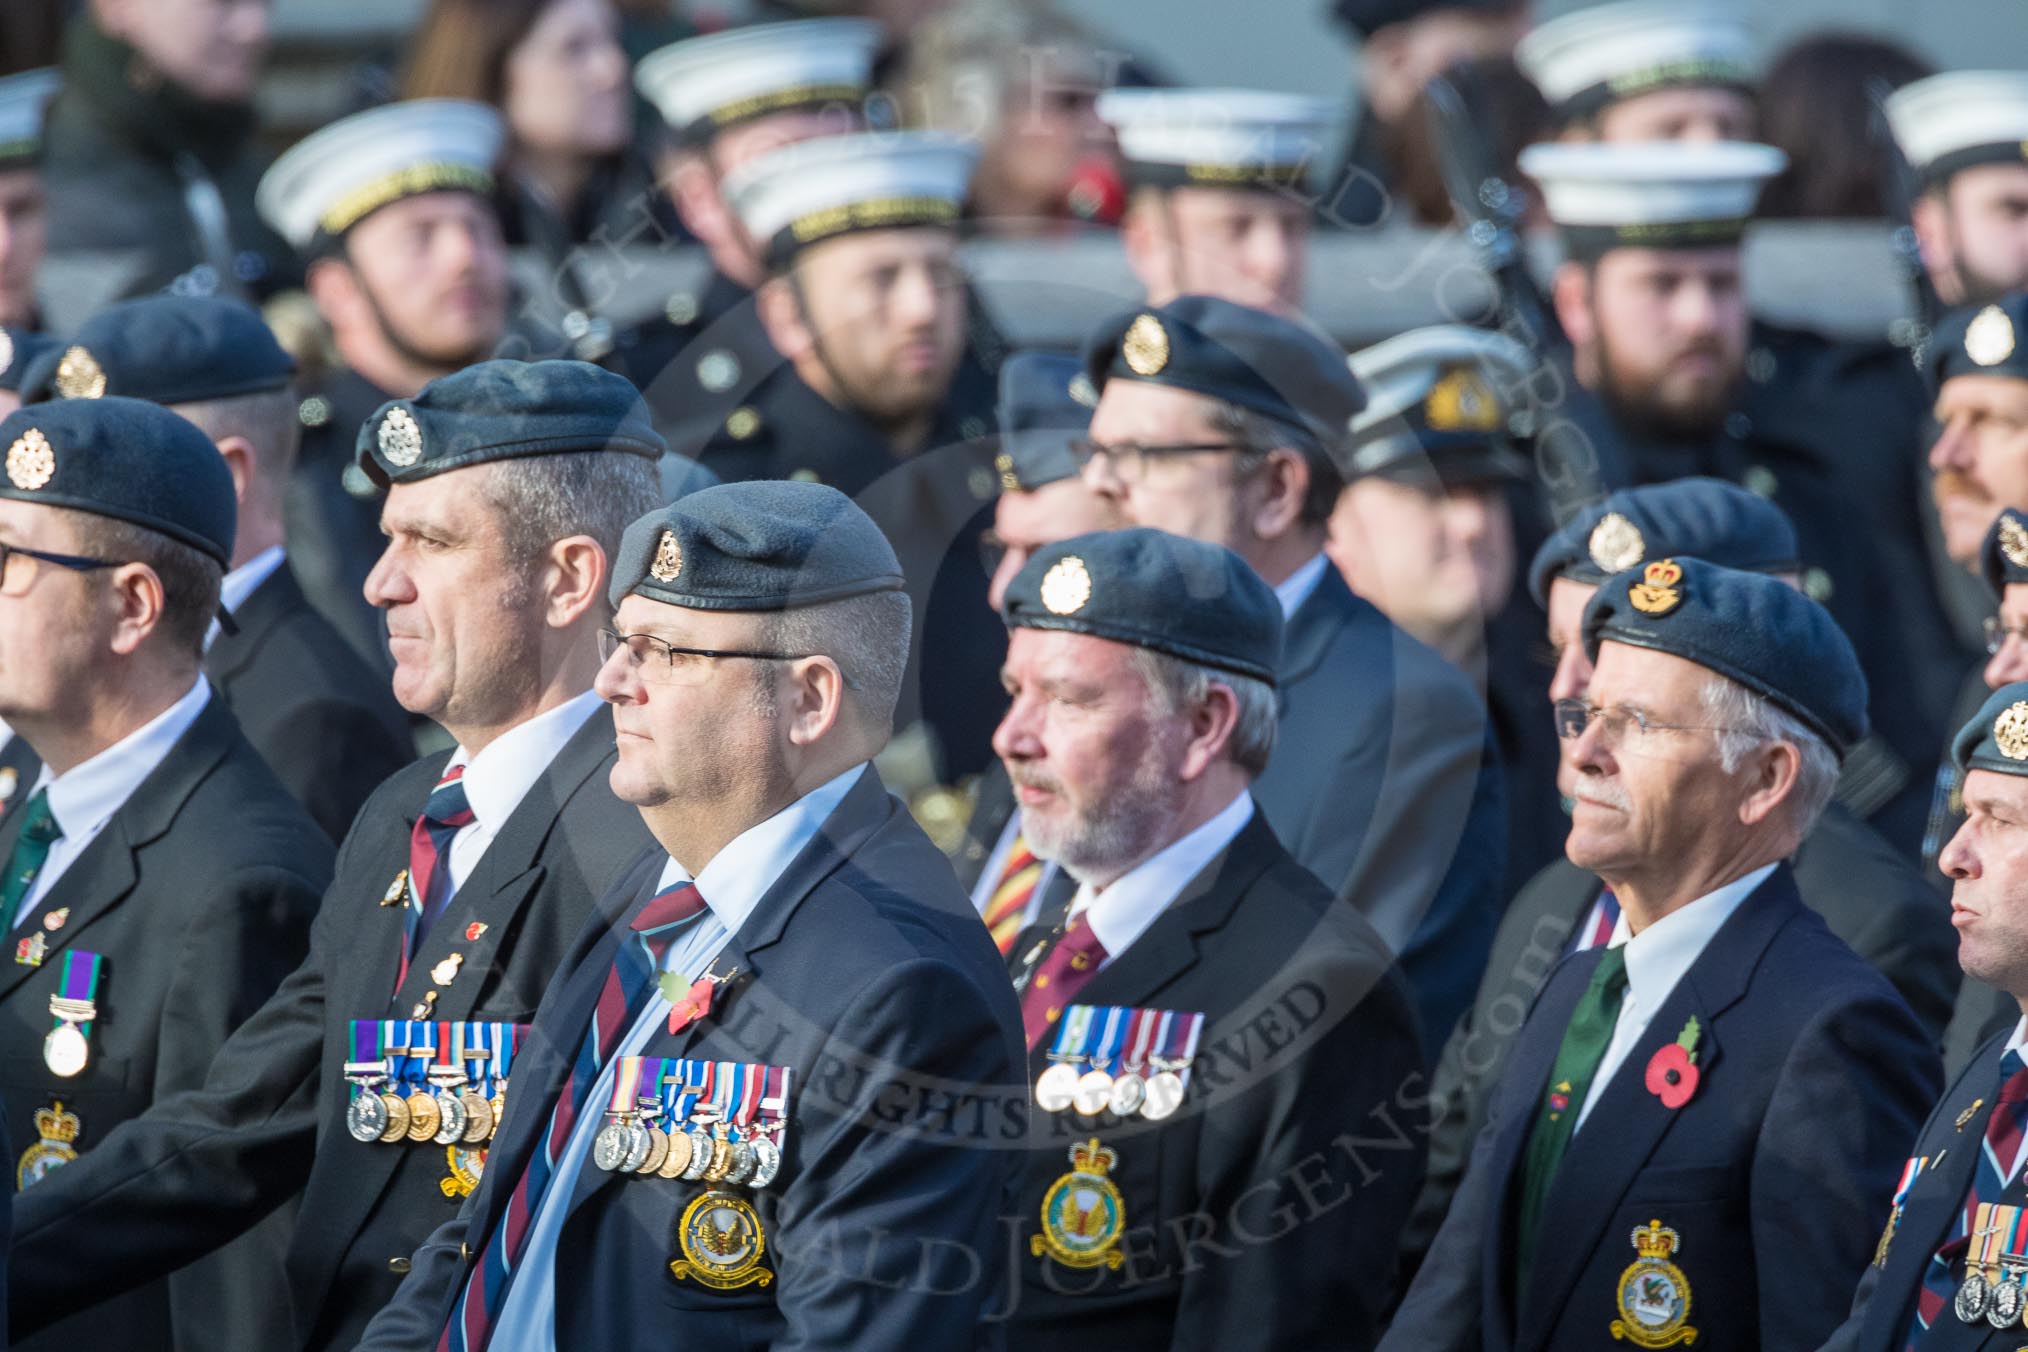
pixel 1932 1275
pixel 159 880
pixel 310 704
pixel 1872 896
pixel 820 985
pixel 1217 422
pixel 1659 1158
pixel 1241 1026
pixel 458 887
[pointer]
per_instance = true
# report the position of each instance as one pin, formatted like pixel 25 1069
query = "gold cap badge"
pixel 2014 541
pixel 1989 338
pixel 1656 593
pixel 1004 464
pixel 400 438
pixel 1461 402
pixel 743 422
pixel 1146 346
pixel 1066 586
pixel 668 562
pixel 79 375
pixel 2010 730
pixel 31 460
pixel 1616 543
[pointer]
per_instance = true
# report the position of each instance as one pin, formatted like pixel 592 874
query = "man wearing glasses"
pixel 1719 1103
pixel 459 887
pixel 1217 422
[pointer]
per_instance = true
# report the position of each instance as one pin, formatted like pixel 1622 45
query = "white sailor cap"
pixel 703 85
pixel 23 100
pixel 803 194
pixel 1961 118
pixel 1217 138
pixel 334 178
pixel 1587 59
pixel 1439 398
pixel 1650 194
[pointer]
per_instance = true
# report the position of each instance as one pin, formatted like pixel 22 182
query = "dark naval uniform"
pixel 697 361
pixel 334 511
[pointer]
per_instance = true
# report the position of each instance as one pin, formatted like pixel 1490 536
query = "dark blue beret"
pixel 501 410
pixel 168 350
pixel 1702 518
pixel 1755 629
pixel 1045 402
pixel 765 544
pixel 2003 559
pixel 20 350
pixel 1197 601
pixel 126 459
pixel 1367 17
pixel 1256 360
pixel 1997 736
pixel 1982 340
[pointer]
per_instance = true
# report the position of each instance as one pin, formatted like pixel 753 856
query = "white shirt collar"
pixel 2018 1042
pixel 246 579
pixel 1136 899
pixel 741 874
pixel 84 797
pixel 1659 955
pixel 1295 589
pixel 499 777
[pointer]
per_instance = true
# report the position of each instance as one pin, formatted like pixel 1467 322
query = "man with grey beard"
pixel 1222 1056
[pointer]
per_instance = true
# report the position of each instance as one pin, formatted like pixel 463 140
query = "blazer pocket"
pixel 1683 1183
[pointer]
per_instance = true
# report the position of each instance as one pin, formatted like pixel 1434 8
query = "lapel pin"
pixel 393 895
pixel 55 919
pixel 1968 1114
pixel 1672 1071
pixel 445 972
pixel 474 930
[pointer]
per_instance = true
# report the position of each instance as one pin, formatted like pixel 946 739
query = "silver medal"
pixel 1129 1093
pixel 742 1163
pixel 1971 1301
pixel 1094 1093
pixel 609 1147
pixel 767 1161
pixel 700 1154
pixel 637 1143
pixel 1165 1095
pixel 2003 1309
pixel 451 1114
pixel 1057 1088
pixel 366 1118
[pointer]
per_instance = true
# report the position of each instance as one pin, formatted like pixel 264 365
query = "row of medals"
pixel 2000 1302
pixel 454 1112
pixel 635 1143
pixel 1154 1097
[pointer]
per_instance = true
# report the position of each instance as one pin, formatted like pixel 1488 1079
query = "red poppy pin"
pixel 1672 1070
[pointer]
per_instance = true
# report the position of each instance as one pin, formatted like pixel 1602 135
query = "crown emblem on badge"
pixel 2010 731
pixel 2014 540
pixel 54 1124
pixel 1657 593
pixel 1461 402
pixel 668 562
pixel 1655 1240
pixel 1066 586
pixel 1989 338
pixel 400 439
pixel 1090 1157
pixel 31 460
pixel 1616 543
pixel 79 375
pixel 1146 346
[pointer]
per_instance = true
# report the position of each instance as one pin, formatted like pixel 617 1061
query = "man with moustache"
pixel 458 888
pixel 392 209
pixel 1658 1163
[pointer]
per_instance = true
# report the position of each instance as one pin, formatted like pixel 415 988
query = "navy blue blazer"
pixel 1775 1174
pixel 866 971
pixel 1385 783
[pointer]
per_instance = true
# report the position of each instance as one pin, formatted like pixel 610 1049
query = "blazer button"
pixel 465 1252
pixel 398 1266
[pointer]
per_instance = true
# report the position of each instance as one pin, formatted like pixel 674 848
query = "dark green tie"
pixel 38 832
pixel 1584 1046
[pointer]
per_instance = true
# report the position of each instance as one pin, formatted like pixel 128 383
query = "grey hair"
pixel 1751 721
pixel 540 499
pixel 1260 435
pixel 867 636
pixel 1180 684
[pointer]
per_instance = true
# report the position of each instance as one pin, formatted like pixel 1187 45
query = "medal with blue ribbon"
pixel 719 1238
pixel 67 1048
pixel 1056 1088
pixel 394 1052
pixel 423 1117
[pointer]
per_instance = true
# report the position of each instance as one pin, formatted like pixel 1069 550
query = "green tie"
pixel 1584 1046
pixel 38 832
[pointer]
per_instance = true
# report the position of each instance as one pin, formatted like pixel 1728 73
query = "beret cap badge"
pixel 400 438
pixel 1462 402
pixel 1657 593
pixel 1146 346
pixel 2010 731
pixel 668 564
pixel 1989 338
pixel 2014 541
pixel 1615 544
pixel 1066 587
pixel 31 462
pixel 79 375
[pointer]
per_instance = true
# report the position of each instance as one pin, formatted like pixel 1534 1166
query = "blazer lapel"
pixel 1328 608
pixel 262 610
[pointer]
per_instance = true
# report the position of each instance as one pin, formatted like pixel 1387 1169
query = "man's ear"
pixel 1145 237
pixel 334 288
pixel 575 580
pixel 1774 770
pixel 816 699
pixel 1570 292
pixel 238 454
pixel 1930 215
pixel 1285 481
pixel 1212 724
pixel 781 314
pixel 140 600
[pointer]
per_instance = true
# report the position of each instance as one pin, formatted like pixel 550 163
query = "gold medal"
pixel 1654 1295
pixel 478 1116
pixel 397 1117
pixel 1094 1093
pixel 720 1238
pixel 721 1156
pixel 1083 1215
pixel 499 1110
pixel 678 1158
pixel 658 1150
pixel 423 1116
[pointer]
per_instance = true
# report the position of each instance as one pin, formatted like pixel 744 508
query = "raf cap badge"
pixel 1989 338
pixel 1146 346
pixel 400 438
pixel 31 461
pixel 79 375
pixel 2010 731
pixel 1616 544
pixel 668 564
pixel 2014 541
pixel 1066 586
pixel 1656 593
pixel 1461 402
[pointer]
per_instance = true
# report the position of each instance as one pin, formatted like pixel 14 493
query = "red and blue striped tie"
pixel 429 870
pixel 1600 920
pixel 659 924
pixel 2004 1129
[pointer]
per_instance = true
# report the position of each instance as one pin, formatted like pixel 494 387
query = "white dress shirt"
pixel 499 777
pixel 732 884
pixel 1657 958
pixel 84 798
pixel 1129 904
pixel 241 583
pixel 1295 589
